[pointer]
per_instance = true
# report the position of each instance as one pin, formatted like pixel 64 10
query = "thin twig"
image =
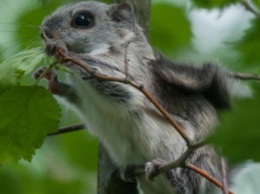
pixel 224 176
pixel 190 146
pixel 126 62
pixel 244 76
pixel 250 8
pixel 180 162
pixel 205 175
pixel 133 84
pixel 163 111
pixel 68 129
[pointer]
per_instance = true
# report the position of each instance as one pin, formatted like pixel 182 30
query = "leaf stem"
pixel 44 72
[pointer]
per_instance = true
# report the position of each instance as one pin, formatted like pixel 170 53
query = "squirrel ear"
pixel 121 12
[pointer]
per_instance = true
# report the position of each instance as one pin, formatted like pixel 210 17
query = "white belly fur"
pixel 129 139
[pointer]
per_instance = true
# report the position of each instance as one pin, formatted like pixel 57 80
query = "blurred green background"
pixel 225 33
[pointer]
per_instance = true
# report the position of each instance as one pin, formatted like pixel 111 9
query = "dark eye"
pixel 83 20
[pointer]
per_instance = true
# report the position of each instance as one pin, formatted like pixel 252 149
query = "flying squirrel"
pixel 130 127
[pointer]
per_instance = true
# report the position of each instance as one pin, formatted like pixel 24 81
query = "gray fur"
pixel 129 126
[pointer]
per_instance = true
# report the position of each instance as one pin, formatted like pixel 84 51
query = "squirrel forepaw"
pixel 50 75
pixel 151 168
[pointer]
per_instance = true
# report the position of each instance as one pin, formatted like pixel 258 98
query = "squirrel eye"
pixel 83 20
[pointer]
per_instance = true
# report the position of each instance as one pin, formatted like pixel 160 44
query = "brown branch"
pixel 244 76
pixel 205 175
pixel 68 129
pixel 181 162
pixel 133 84
pixel 250 8
pixel 164 112
pixel 126 62
pixel 224 176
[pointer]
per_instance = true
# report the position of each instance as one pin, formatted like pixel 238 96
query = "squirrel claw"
pixel 151 168
pixel 50 75
pixel 37 74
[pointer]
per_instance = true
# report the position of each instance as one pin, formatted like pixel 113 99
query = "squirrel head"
pixel 90 27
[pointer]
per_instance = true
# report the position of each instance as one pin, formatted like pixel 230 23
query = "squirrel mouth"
pixel 52 47
pixel 52 44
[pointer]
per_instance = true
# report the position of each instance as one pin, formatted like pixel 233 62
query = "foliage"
pixel 238 134
pixel 29 23
pixel 23 104
pixel 15 68
pixel 25 124
pixel 257 3
pixel 250 44
pixel 169 37
pixel 29 112
pixel 214 3
pixel 23 109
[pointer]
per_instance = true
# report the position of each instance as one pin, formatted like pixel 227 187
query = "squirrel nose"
pixel 46 34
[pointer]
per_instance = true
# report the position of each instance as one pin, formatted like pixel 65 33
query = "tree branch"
pixel 248 6
pixel 224 176
pixel 68 129
pixel 133 84
pixel 191 146
pixel 244 76
pixel 205 175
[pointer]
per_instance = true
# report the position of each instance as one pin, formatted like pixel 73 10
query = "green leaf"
pixel 209 4
pixel 27 115
pixel 17 66
pixel 169 36
pixel 249 46
pixel 257 3
pixel 239 132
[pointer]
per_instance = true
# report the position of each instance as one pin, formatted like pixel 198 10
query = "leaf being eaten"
pixel 16 67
